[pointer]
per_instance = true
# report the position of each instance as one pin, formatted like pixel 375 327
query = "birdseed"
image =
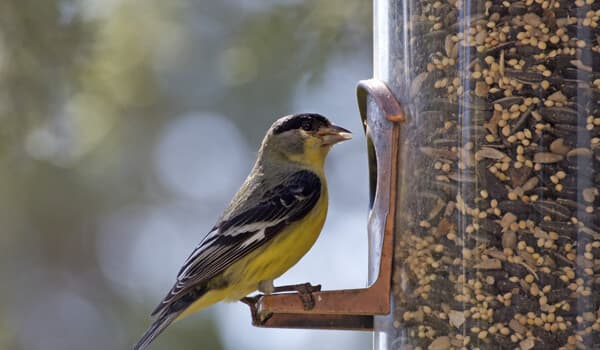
pixel 499 226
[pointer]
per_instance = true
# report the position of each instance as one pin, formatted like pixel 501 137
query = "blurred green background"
pixel 126 126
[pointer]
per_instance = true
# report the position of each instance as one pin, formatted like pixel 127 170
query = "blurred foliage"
pixel 86 86
pixel 307 35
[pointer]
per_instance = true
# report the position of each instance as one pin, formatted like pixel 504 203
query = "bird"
pixel 270 224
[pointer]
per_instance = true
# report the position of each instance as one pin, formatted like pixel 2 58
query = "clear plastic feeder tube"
pixel 498 233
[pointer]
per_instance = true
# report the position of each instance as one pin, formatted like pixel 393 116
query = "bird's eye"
pixel 307 125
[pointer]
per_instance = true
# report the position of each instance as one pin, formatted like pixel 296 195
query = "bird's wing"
pixel 232 239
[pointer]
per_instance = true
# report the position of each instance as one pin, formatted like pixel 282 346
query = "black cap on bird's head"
pixel 312 124
pixel 306 121
pixel 301 138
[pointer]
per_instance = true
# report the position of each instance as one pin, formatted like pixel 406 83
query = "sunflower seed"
pixel 507 102
pixel 579 154
pixel 509 240
pixel 559 115
pixel 552 209
pixel 558 146
pixel 547 157
pixel 530 184
pixel 491 153
pixel 516 207
pixel 489 264
pixel 560 227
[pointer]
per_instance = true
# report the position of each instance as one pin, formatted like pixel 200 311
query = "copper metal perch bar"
pixel 353 308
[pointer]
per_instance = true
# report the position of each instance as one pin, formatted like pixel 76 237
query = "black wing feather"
pixel 281 205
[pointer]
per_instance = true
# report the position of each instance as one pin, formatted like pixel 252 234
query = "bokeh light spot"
pixel 238 65
pixel 201 155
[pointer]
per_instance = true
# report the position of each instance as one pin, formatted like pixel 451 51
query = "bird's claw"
pixel 251 302
pixel 304 290
pixel 258 318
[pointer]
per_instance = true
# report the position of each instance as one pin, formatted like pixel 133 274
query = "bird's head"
pixel 304 138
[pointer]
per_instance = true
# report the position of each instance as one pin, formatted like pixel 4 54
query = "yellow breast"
pixel 269 261
pixel 284 250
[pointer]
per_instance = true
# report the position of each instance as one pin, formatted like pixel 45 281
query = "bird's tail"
pixel 155 329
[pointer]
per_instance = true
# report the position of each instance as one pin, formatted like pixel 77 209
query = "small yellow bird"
pixel 272 221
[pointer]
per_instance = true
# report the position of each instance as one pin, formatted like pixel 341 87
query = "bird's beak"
pixel 333 134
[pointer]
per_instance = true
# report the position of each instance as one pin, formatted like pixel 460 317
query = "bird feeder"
pixel 497 240
pixel 484 230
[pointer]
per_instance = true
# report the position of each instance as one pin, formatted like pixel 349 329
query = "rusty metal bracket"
pixel 353 308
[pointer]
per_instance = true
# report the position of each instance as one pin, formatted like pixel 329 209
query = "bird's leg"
pixel 266 287
pixel 305 291
pixel 300 288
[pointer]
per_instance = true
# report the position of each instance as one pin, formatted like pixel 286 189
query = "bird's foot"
pixel 304 290
pixel 251 302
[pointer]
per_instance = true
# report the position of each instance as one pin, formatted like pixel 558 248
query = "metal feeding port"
pixel 306 306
